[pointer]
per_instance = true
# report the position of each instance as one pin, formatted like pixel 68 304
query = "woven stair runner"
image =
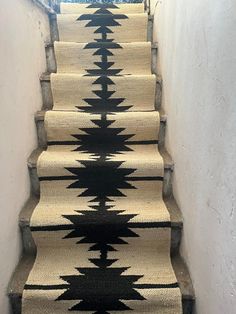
pixel 101 228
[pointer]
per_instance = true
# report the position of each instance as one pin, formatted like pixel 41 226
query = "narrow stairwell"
pixel 101 223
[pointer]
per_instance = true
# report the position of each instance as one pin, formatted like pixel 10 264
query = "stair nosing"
pixel 45 77
pixel 39 115
pixel 154 45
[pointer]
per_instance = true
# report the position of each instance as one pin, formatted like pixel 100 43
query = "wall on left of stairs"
pixel 24 29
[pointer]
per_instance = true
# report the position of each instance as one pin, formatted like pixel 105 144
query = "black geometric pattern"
pixel 103 141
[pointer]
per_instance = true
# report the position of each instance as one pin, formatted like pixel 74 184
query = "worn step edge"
pixel 42 138
pixel 21 273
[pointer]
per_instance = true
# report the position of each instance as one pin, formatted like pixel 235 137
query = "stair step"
pixel 45 81
pixel 55 31
pixel 52 65
pixel 130 58
pixel 66 128
pixel 168 170
pixel 70 91
pixel 42 140
pixel 21 273
pixel 88 8
pixel 124 27
pixel 28 242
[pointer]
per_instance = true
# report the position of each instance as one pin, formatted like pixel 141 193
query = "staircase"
pixel 101 215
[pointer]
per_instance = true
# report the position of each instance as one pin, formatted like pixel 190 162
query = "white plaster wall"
pixel 197 60
pixel 23 30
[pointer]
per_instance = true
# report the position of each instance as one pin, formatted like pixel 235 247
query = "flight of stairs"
pixel 21 274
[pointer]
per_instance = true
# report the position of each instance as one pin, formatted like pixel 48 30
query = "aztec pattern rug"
pixel 101 228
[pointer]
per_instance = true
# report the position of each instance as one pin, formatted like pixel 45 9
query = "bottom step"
pixel 22 271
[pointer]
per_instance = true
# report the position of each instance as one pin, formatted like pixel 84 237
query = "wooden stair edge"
pixel 183 277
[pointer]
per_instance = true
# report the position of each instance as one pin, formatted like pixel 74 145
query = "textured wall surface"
pixel 197 60
pixel 23 30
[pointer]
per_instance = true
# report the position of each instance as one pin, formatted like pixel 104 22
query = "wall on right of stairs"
pixel 197 61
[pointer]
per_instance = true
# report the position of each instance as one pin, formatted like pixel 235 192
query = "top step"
pixel 102 27
pixel 101 8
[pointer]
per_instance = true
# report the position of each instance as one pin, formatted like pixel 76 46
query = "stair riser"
pixel 48 98
pixel 150 28
pixel 46 94
pixel 52 67
pixel 41 133
pixel 188 306
pixel 16 302
pixel 50 59
pixel 54 28
pixel 27 240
